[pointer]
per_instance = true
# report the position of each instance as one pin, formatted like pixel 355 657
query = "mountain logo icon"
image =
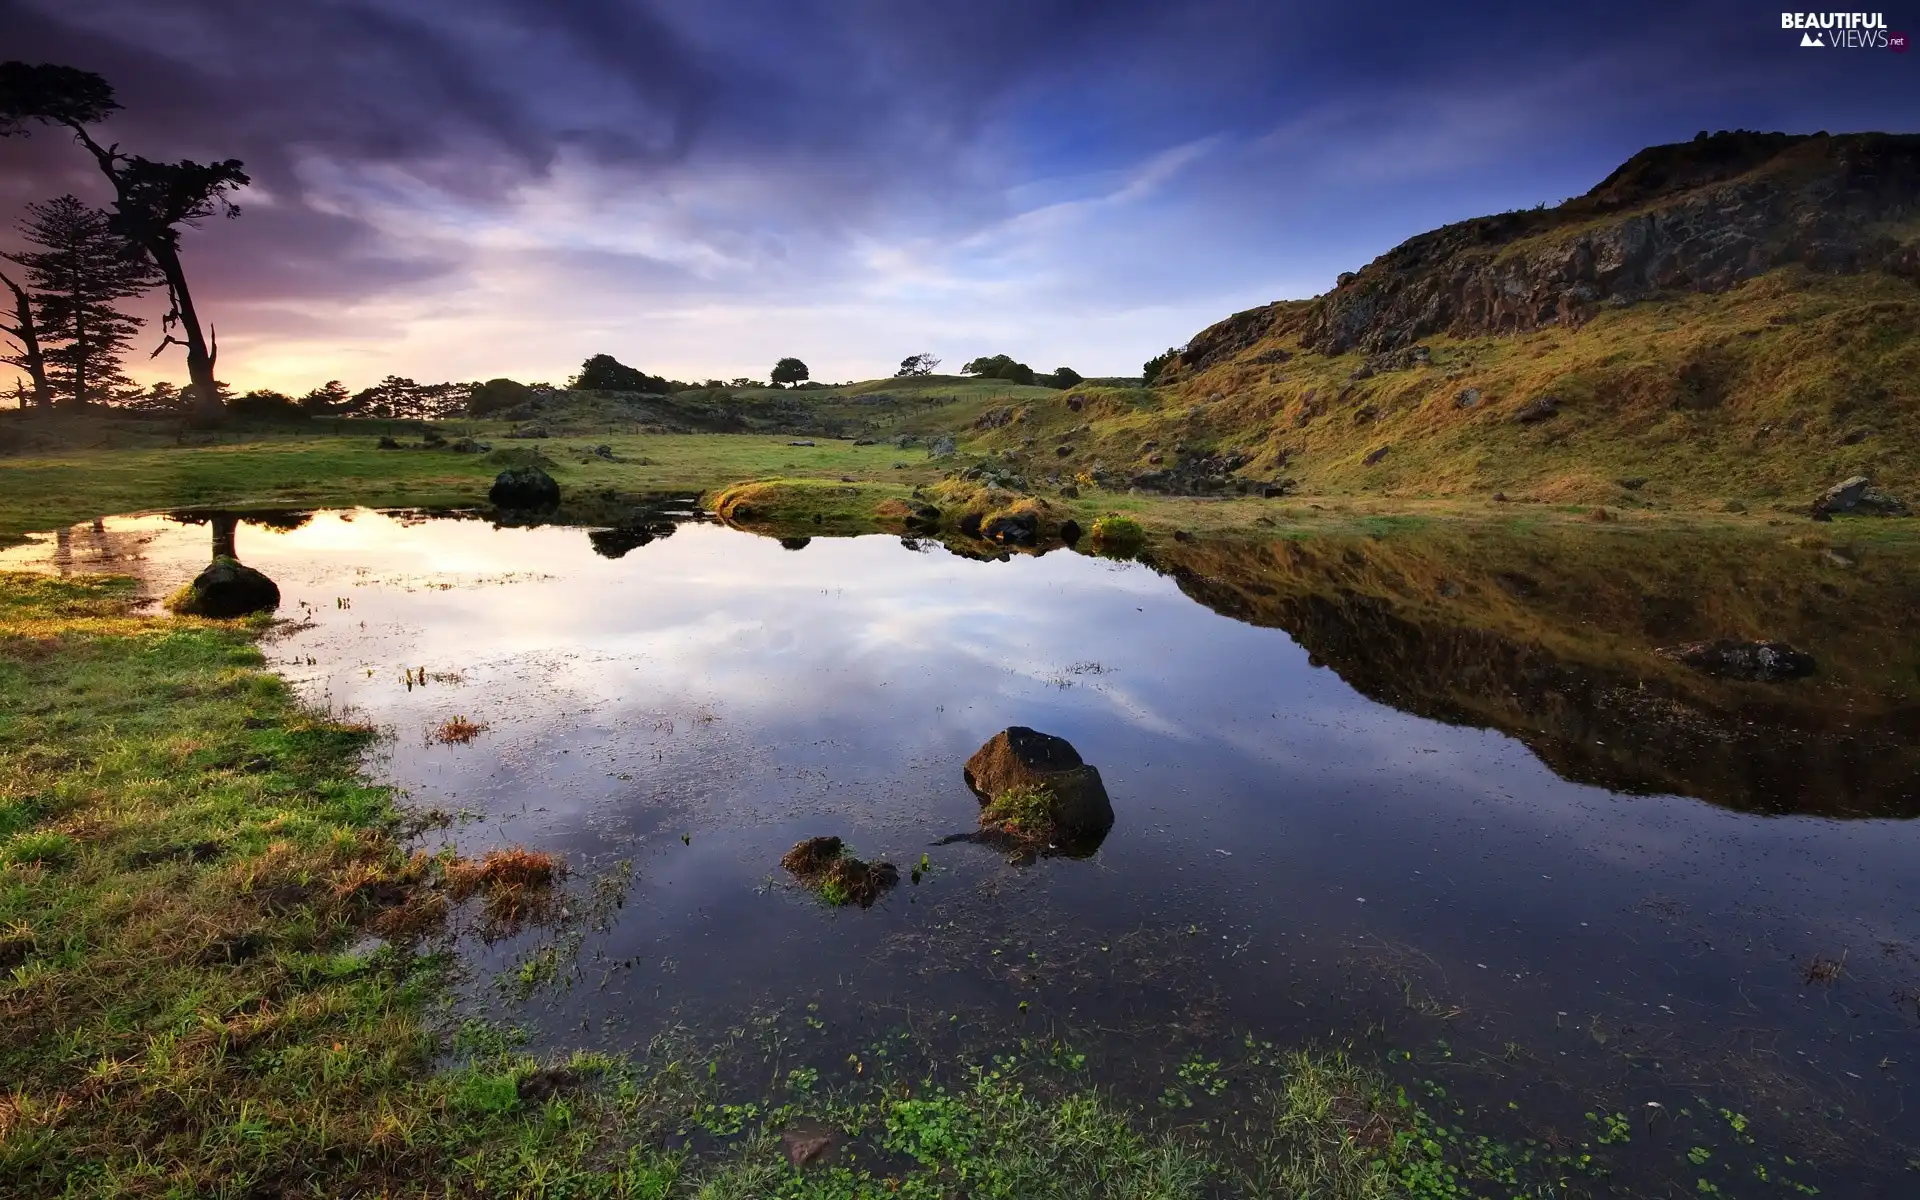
pixel 1812 39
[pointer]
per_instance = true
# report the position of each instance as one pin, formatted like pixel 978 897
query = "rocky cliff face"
pixel 1695 216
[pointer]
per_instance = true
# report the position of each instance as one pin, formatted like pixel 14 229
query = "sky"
pixel 464 189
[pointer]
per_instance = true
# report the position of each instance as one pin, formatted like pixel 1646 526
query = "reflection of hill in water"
pixel 1547 637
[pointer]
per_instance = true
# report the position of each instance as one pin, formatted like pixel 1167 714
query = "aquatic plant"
pixel 457 731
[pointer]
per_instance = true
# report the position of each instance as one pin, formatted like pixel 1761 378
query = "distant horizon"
pixel 500 189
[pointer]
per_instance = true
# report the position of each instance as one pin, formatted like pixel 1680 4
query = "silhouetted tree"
pixel 81 270
pixel 152 200
pixel 605 373
pixel 916 364
pixel 330 397
pixel 789 370
pixel 26 353
pixel 1063 377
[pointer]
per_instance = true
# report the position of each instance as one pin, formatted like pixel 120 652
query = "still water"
pixel 1433 798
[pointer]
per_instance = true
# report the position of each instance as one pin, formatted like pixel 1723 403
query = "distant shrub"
pixel 497 395
pixel 264 402
pixel 1151 369
pixel 999 366
pixel 1063 377
pixel 605 373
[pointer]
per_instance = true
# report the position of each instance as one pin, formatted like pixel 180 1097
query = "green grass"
pixel 1024 812
pixel 1752 394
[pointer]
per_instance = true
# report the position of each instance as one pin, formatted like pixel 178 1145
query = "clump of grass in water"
pixel 1023 814
pixel 457 731
pixel 1118 534
pixel 514 883
pixel 825 865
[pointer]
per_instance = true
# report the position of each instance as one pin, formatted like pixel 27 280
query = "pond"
pixel 1427 792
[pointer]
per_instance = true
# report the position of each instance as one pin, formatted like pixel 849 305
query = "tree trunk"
pixel 207 407
pixel 224 527
pixel 29 336
pixel 80 352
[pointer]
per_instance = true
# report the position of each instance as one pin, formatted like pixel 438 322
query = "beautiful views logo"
pixel 1851 31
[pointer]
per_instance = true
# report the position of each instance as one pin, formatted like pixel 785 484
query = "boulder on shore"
pixel 524 487
pixel 226 589
pixel 1729 658
pixel 1018 758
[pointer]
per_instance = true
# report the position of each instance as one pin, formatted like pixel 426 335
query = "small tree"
pixel 26 353
pixel 152 200
pixel 1151 369
pixel 1063 378
pixel 916 364
pixel 789 370
pixel 82 270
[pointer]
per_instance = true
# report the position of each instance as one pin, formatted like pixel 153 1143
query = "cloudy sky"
pixel 468 188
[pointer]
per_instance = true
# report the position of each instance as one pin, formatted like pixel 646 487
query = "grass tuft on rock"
pixel 1022 814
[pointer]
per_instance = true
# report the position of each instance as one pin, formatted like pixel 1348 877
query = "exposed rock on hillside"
pixel 1696 216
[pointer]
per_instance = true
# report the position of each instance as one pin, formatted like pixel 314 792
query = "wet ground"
pixel 1293 858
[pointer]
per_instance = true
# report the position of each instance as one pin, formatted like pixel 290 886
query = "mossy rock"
pixel 1037 784
pixel 525 488
pixel 226 589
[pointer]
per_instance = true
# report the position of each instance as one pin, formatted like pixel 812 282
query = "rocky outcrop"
pixel 1695 216
pixel 1727 658
pixel 224 590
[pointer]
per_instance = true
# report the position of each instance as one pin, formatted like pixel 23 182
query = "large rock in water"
pixel 1726 658
pixel 1022 757
pixel 524 487
pixel 226 589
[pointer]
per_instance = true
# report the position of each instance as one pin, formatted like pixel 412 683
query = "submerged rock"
pixel 524 487
pixel 226 589
pixel 1017 759
pixel 1729 658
